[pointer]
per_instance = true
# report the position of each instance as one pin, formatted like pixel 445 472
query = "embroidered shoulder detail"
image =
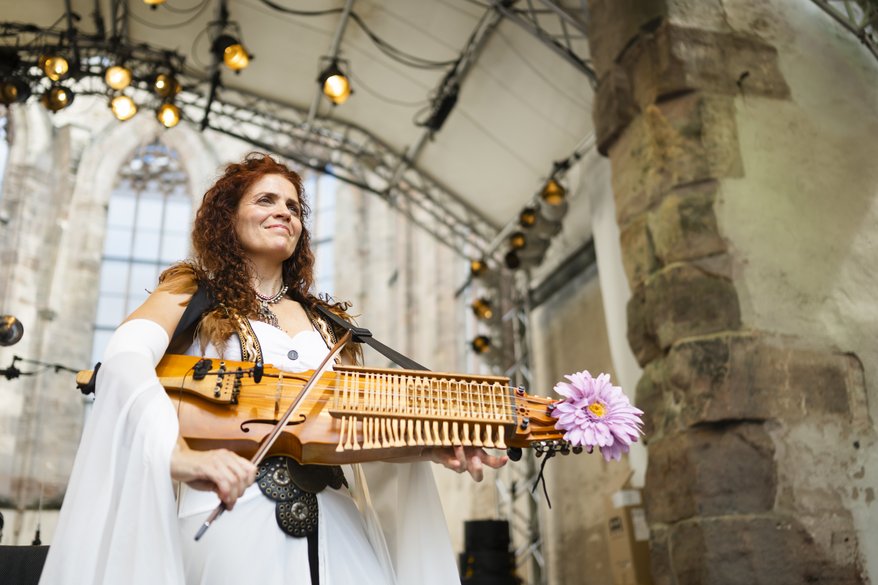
pixel 251 351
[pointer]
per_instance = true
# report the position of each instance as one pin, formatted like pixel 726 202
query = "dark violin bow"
pixel 278 428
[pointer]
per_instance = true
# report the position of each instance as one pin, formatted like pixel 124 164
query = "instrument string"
pixel 371 395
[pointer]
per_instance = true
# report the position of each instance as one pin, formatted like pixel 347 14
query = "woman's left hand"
pixel 467 459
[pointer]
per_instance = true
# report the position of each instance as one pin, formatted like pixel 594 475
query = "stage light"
pixel 123 107
pixel 169 115
pixel 14 90
pixel 165 85
pixel 55 67
pixel 11 332
pixel 153 4
pixel 535 225
pixel 117 77
pixel 553 201
pixel 336 85
pixel 478 268
pixel 481 344
pixel 527 250
pixel 57 98
pixel 483 309
pixel 234 54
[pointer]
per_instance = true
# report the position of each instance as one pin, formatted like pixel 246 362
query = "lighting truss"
pixel 858 16
pixel 348 152
pixel 560 25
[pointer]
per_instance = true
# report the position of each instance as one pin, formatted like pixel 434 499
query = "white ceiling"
pixel 521 107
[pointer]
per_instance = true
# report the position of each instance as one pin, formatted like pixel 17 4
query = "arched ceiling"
pixel 521 106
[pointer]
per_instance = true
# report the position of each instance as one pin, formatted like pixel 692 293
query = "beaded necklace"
pixel 265 313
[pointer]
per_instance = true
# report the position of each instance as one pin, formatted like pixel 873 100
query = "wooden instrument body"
pixel 350 415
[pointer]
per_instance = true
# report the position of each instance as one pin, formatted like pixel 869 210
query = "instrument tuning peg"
pixel 258 370
pixel 514 453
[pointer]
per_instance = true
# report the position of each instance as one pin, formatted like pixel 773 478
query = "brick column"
pixel 718 392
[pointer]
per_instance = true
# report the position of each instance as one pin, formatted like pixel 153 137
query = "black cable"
pixel 286 10
pixel 169 26
pixel 170 8
pixel 397 54
pixel 358 81
pixel 385 47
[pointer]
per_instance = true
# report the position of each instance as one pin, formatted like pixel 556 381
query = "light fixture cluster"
pixel 526 244
pixel 54 67
pixel 487 307
pixel 537 225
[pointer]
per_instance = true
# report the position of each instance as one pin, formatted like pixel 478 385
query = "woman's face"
pixel 268 221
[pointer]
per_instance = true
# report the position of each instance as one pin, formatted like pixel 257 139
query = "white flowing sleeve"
pixel 118 521
pixel 410 514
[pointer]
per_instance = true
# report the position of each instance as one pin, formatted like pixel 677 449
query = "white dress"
pixel 121 524
pixel 246 545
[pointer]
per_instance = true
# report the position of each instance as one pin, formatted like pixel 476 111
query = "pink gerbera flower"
pixel 594 413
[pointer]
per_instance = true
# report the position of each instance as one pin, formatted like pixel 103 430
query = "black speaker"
pixel 22 565
pixel 486 535
pixel 486 559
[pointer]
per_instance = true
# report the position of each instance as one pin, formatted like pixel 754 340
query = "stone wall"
pixel 754 415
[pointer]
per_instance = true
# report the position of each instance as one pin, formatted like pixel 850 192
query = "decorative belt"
pixel 293 487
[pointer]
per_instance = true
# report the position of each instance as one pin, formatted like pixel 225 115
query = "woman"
pixel 119 521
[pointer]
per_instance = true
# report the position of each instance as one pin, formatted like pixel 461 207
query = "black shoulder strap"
pixel 361 335
pixel 200 303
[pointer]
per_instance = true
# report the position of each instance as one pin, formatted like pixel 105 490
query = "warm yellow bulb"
pixel 235 57
pixel 517 240
pixel 337 88
pixel 153 3
pixel 169 115
pixel 553 193
pixel 118 77
pixel 163 84
pixel 123 107
pixel 54 66
pixel 481 344
pixel 57 98
pixel 482 309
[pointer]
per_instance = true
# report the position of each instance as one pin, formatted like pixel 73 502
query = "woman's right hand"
pixel 220 471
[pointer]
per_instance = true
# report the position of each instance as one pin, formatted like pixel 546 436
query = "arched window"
pixel 149 218
pixel 321 190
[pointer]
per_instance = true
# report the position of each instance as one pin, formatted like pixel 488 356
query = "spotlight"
pixel 123 107
pixel 526 250
pixel 234 54
pixel 478 268
pixel 169 115
pixel 11 332
pixel 118 77
pixel 14 90
pixel 553 200
pixel 481 344
pixel 165 85
pixel 153 4
pixel 336 85
pixel 55 67
pixel 534 224
pixel 483 309
pixel 57 98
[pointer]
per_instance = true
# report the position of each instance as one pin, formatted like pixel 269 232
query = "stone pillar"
pixel 729 398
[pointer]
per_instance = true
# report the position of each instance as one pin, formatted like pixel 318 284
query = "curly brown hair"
pixel 219 261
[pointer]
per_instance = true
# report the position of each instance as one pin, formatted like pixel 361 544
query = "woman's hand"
pixel 220 471
pixel 470 459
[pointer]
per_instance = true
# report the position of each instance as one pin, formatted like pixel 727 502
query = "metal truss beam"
pixel 858 16
pixel 350 153
pixel 561 26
